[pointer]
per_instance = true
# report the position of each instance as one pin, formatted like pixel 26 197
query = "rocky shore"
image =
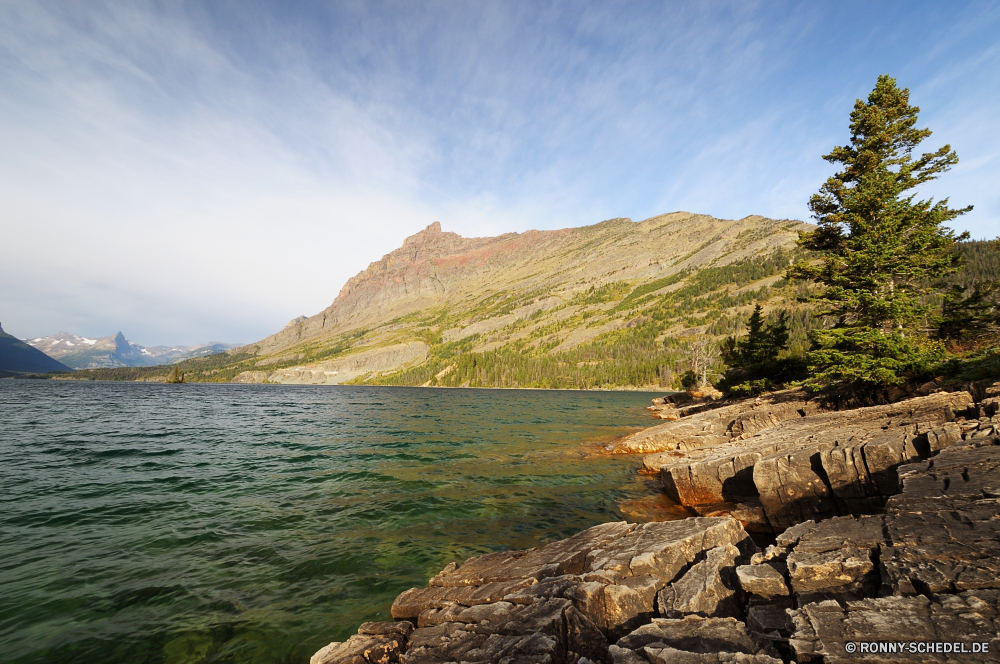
pixel 885 524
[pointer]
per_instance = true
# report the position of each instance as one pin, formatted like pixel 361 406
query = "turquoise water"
pixel 243 523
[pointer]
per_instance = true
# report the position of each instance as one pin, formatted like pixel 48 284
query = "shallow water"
pixel 246 523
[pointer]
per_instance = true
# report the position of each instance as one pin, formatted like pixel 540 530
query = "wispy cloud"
pixel 193 172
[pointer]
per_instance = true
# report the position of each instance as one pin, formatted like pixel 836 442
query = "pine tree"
pixel 971 311
pixel 754 364
pixel 880 247
pixel 762 344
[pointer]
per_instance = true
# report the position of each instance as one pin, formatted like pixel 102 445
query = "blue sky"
pixel 193 171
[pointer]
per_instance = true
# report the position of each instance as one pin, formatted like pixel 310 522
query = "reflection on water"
pixel 240 523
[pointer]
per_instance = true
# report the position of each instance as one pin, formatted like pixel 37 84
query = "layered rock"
pixel 923 571
pixel 496 291
pixel 566 601
pixel 707 423
pixel 775 463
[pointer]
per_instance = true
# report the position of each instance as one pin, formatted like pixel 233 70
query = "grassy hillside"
pixel 618 304
pixel 620 334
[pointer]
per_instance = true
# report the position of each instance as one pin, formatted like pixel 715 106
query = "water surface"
pixel 251 523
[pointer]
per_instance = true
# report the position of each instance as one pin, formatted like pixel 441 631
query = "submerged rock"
pixel 923 568
pixel 563 602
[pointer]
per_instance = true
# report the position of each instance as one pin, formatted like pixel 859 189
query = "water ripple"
pixel 241 523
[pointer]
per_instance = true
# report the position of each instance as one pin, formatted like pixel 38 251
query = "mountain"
pixel 108 352
pixel 18 357
pixel 614 304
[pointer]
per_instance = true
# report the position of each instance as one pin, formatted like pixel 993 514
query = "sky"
pixel 190 171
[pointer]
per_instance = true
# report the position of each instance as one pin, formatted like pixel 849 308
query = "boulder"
pixel 611 572
pixel 724 639
pixel 823 629
pixel 698 427
pixel 765 579
pixel 375 643
pixel 708 589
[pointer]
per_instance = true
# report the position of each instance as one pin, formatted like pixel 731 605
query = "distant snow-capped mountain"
pixel 80 352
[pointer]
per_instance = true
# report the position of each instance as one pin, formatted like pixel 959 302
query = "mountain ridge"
pixel 456 277
pixel 17 357
pixel 79 352
pixel 614 305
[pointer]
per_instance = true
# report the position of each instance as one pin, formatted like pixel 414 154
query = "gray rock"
pixel 694 634
pixel 815 466
pixel 559 603
pixel 545 630
pixel 942 530
pixel 668 655
pixel 380 647
pixel 708 589
pixel 836 557
pixel 766 579
pixel 771 617
pixel 706 428
pixel 625 656
pixel 823 629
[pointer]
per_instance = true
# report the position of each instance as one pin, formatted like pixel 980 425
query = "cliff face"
pixel 480 285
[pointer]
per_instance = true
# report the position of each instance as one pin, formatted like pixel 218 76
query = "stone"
pixel 710 427
pixel 668 655
pixel 411 603
pixel 944 436
pixel 829 570
pixel 400 628
pixel 364 649
pixel 771 617
pixel 814 465
pixel 765 579
pixel 708 589
pixel 942 530
pixel 602 582
pixel 544 630
pixel 694 634
pixel 625 656
pixel 823 629
pixel 835 557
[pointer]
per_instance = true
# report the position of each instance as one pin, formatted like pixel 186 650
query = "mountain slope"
pixel 18 357
pixel 79 352
pixel 612 304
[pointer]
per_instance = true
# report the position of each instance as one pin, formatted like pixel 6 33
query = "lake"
pixel 257 523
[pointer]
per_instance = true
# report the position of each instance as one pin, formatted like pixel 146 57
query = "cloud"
pixel 188 172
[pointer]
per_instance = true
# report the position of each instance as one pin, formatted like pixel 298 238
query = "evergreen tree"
pixel 971 311
pixel 754 363
pixel 762 344
pixel 880 249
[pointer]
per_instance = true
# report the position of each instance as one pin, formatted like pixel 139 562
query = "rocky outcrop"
pixel 683 404
pixel 709 423
pixel 920 573
pixel 924 571
pixel 341 370
pixel 612 572
pixel 568 600
pixel 777 462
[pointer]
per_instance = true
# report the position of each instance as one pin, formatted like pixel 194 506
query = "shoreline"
pixel 845 495
pixel 645 390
